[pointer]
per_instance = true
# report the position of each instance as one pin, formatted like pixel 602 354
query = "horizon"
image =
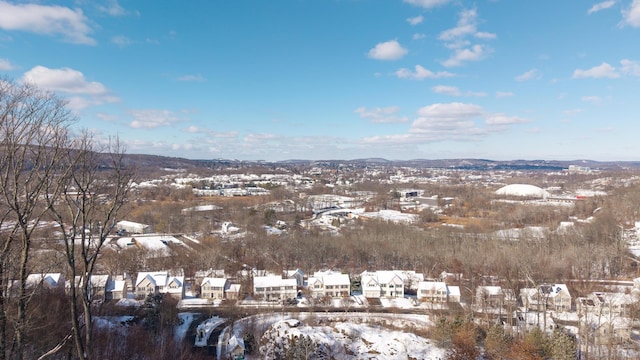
pixel 279 81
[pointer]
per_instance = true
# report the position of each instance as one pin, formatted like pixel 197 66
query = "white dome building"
pixel 523 190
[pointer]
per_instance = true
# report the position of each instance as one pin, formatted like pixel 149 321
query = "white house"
pixel 159 282
pixel 433 292
pixel 329 283
pixel 554 297
pixel 382 284
pixel 213 288
pixel 274 288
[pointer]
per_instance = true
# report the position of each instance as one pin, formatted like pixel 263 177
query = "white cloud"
pixel 106 117
pixel 64 80
pixel 475 53
pixel 502 119
pixel 503 94
pixel 447 90
pixel 485 35
pixel 454 91
pixel 601 6
pixel 466 26
pixel 603 70
pixel 152 118
pixel 389 50
pixel 529 75
pixel 5 65
pixel 192 78
pixel 427 4
pixel 629 67
pixel 449 121
pixel 421 73
pixel 121 41
pixel 632 14
pixel 592 99
pixel 418 36
pixel 415 20
pixel 72 25
pixel 113 8
pixel 381 115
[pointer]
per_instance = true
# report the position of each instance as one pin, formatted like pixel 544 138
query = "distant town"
pixel 523 250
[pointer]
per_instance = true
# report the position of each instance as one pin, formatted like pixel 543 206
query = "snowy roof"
pixel 214 281
pixel 523 190
pixel 158 278
pixel 272 281
pixel 431 285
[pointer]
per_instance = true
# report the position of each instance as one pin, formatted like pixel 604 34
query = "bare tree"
pixel 33 136
pixel 96 187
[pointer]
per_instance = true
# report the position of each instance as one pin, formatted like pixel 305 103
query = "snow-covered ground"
pixel 204 330
pixel 345 335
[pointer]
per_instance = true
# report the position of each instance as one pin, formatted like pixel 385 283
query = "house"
pixel 274 288
pixel 116 290
pixel 295 274
pixel 49 282
pixel 494 297
pixel 433 292
pixel 213 288
pixel 159 282
pixel 329 284
pixel 97 285
pixel 555 297
pixel 605 304
pixel 232 291
pixel 235 348
pixel 382 284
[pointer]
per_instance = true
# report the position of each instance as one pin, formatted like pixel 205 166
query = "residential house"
pixel 232 291
pixel 494 297
pixel 555 297
pixel 159 282
pixel 235 348
pixel 433 292
pixel 49 282
pixel 97 285
pixel 329 284
pixel 382 284
pixel 116 290
pixel 606 304
pixel 274 288
pixel 295 274
pixel 213 288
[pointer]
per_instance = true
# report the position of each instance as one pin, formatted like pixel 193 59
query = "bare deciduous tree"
pixel 96 187
pixel 33 137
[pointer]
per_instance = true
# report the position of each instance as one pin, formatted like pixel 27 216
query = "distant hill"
pixel 156 162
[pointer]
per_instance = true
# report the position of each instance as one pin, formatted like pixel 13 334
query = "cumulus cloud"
pixel 449 121
pixel 427 4
pixel 389 50
pixel 485 35
pixel 415 20
pixel 454 91
pixel 631 15
pixel 601 6
pixel 529 75
pixel 62 21
pixel 5 65
pixel 421 73
pixel 460 56
pixel 418 36
pixel 381 115
pixel 152 118
pixel 603 70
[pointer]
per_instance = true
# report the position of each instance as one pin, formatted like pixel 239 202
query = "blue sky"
pixel 339 79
